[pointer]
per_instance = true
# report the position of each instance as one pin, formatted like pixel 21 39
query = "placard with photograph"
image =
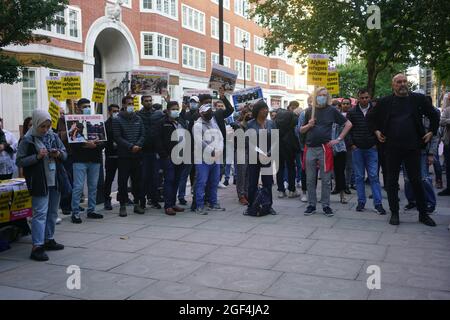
pixel 83 128
pixel 249 95
pixel 222 77
pixel 149 83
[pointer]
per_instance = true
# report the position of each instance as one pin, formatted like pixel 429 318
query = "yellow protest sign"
pixel 54 88
pixel 317 70
pixel 21 205
pixel 5 198
pixel 137 103
pixel 53 109
pixel 71 85
pixel 99 92
pixel 333 81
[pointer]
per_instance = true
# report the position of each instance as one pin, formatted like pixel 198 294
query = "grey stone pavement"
pixel 226 255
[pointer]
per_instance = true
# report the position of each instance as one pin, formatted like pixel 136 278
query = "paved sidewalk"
pixel 226 255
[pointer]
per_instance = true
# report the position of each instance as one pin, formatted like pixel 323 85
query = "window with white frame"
pixel 71 30
pixel 241 7
pixel 125 3
pixel 215 60
pixel 260 74
pixel 194 58
pixel 159 46
pixel 215 30
pixel 226 3
pixel 277 77
pixel 259 45
pixel 239 67
pixel 289 82
pixel 193 19
pixel 239 35
pixel 29 92
pixel 167 8
pixel 279 53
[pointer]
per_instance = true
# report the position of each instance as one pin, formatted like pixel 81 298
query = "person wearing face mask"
pixel 318 126
pixel 38 153
pixel 129 134
pixel 397 123
pixel 172 171
pixel 87 159
pixel 111 157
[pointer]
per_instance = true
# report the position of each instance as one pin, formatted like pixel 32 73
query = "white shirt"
pixel 7 160
pixel 364 110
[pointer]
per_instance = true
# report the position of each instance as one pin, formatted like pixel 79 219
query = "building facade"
pixel 108 39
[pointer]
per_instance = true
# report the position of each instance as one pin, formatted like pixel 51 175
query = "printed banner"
pixel 54 88
pixel 53 109
pixel 333 81
pixel 82 128
pixel 222 77
pixel 196 92
pixel 21 206
pixel 149 83
pixel 71 85
pixel 5 199
pixel 317 70
pixel 249 95
pixel 99 92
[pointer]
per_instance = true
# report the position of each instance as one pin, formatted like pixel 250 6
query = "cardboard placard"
pixel 222 77
pixel 5 199
pixel 71 85
pixel 54 88
pixel 333 81
pixel 249 95
pixel 82 128
pixel 53 109
pixel 137 103
pixel 317 70
pixel 151 83
pixel 99 91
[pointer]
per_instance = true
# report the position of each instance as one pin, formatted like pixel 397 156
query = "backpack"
pixel 261 205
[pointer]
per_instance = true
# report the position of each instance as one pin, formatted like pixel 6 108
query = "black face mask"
pixel 207 116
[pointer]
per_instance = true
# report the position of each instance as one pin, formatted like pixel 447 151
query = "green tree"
pixel 18 20
pixel 412 31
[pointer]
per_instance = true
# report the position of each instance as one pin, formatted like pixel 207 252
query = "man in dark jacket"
pixel 364 152
pixel 111 157
pixel 397 123
pixel 129 134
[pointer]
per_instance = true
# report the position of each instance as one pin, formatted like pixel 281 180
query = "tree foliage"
pixel 412 31
pixel 18 20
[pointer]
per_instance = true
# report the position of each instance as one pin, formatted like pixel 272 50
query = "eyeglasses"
pixel 345 103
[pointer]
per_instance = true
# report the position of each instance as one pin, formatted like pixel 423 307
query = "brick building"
pixel 104 40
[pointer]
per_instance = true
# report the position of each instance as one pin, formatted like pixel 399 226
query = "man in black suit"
pixel 397 123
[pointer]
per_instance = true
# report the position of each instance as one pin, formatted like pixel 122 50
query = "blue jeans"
pixel 45 212
pixel 366 159
pixel 150 176
pixel 227 171
pixel 186 170
pixel 427 184
pixel 206 174
pixel 172 175
pixel 437 168
pixel 298 166
pixel 81 170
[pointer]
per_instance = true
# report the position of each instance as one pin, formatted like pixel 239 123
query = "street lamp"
pixel 244 45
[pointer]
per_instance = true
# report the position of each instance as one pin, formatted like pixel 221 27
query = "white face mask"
pixel 174 114
pixel 130 109
pixel 321 100
pixel 87 111
pixel 115 115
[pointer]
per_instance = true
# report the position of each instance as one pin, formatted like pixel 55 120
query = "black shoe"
pixel 445 192
pixel 107 205
pixel 347 191
pixel 160 199
pixel 310 210
pixel 426 220
pixel 183 202
pixel 328 212
pixel 52 245
pixel 379 208
pixel 66 212
pixel 123 211
pixel 93 215
pixel 430 209
pixel 76 219
pixel 226 182
pixel 38 254
pixel 409 206
pixel 334 191
pixel 353 187
pixel 395 219
pixel 155 205
pixel 360 207
pixel 81 209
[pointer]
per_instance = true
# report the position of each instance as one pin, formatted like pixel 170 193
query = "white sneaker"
pixel 304 198
pixel 58 220
pixel 221 186
pixel 293 194
pixel 281 194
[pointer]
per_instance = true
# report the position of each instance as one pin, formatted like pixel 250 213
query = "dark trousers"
pixel 111 166
pixel 411 158
pixel 65 202
pixel 382 163
pixel 172 174
pixel 303 177
pixel 130 168
pixel 150 176
pixel 253 178
pixel 286 161
pixel 339 170
pixel 447 164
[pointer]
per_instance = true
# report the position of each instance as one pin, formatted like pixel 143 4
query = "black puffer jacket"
pixel 360 135
pixel 128 131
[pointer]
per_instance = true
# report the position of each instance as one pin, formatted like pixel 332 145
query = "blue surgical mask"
pixel 115 115
pixel 87 111
pixel 174 114
pixel 193 105
pixel 321 100
pixel 130 109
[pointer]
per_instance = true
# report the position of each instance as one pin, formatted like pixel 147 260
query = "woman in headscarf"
pixel 38 152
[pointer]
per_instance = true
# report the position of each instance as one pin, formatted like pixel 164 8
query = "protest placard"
pixel 53 109
pixel 5 199
pixel 222 77
pixel 21 206
pixel 99 92
pixel 317 70
pixel 82 128
pixel 249 95
pixel 71 85
pixel 149 83
pixel 137 103
pixel 333 81
pixel 54 88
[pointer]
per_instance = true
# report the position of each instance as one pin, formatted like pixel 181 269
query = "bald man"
pixel 397 123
